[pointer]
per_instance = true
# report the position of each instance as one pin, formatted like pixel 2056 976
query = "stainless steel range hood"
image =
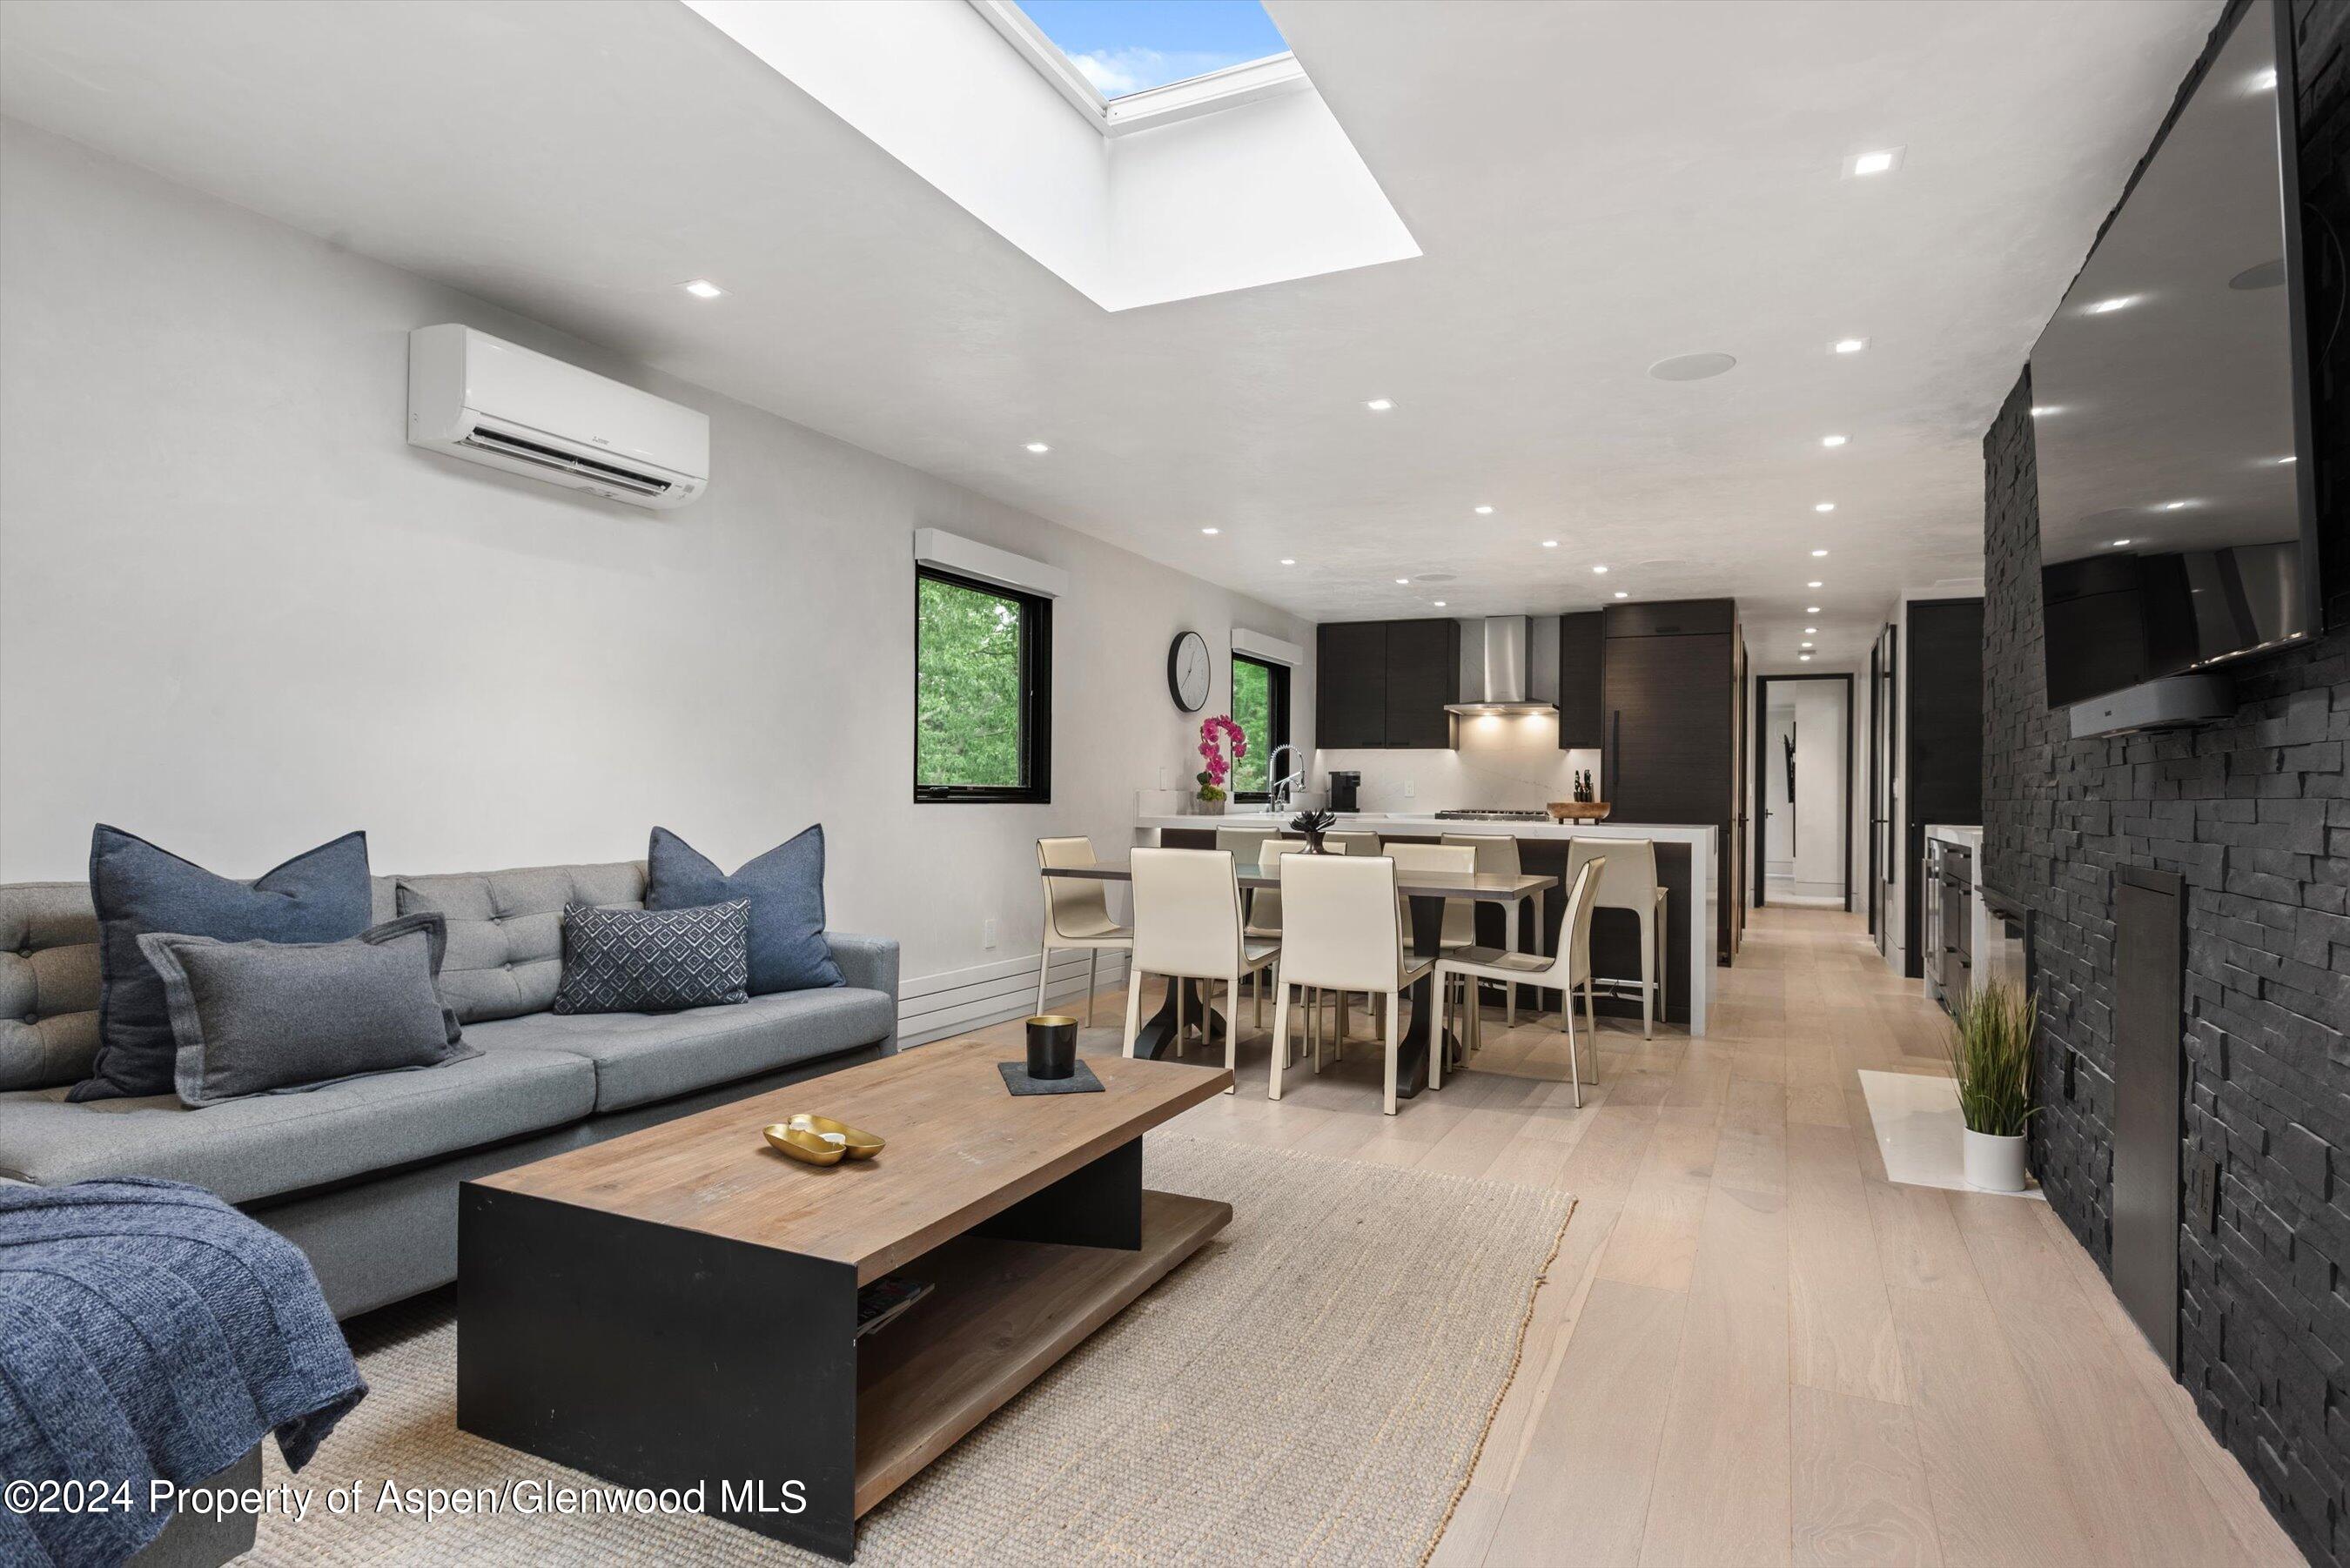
pixel 1493 670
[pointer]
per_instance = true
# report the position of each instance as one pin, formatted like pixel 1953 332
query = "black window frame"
pixel 1276 702
pixel 1035 699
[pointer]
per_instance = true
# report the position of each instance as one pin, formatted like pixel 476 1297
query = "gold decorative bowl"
pixel 819 1140
pixel 1579 810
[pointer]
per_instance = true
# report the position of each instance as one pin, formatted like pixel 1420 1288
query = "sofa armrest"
pixel 871 963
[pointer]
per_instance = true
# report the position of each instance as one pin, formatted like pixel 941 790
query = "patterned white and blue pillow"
pixel 654 961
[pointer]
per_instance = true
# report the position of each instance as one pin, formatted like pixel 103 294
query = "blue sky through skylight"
pixel 1129 46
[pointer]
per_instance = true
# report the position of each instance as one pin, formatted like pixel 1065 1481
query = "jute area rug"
pixel 1311 1387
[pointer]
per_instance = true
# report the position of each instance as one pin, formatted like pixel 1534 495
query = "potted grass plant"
pixel 1991 1057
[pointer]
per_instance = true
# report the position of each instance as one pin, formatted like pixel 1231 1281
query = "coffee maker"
pixel 1344 788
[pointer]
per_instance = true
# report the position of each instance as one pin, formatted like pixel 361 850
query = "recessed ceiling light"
pixel 2119 543
pixel 1832 440
pixel 1484 511
pixel 1811 609
pixel 1211 530
pixel 1849 345
pixel 1403 582
pixel 1882 162
pixel 1807 645
pixel 1038 447
pixel 1380 405
pixel 1601 570
pixel 1804 658
pixel 2107 306
pixel 1550 543
pixel 1622 594
pixel 1438 602
pixel 1825 506
pixel 1692 367
pixel 1819 552
pixel 1289 560
pixel 701 288
pixel 1811 631
pixel 1815 584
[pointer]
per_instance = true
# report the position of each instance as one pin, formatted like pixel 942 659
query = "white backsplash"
pixel 1503 762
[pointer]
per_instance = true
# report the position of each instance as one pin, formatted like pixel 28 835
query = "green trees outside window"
pixel 1261 708
pixel 982 664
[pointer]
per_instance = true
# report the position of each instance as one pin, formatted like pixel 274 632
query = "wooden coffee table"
pixel 678 1306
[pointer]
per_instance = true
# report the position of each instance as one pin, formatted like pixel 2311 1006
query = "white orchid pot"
pixel 1994 1163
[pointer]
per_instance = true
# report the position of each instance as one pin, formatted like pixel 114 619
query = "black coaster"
pixel 1016 1079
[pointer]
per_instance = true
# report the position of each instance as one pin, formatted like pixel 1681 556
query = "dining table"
pixel 1425 892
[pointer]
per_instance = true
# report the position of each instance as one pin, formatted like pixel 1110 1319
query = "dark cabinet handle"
pixel 1609 763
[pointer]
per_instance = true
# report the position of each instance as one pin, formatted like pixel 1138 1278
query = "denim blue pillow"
pixel 785 889
pixel 319 896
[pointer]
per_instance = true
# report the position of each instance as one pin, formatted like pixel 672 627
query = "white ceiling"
pixel 1594 186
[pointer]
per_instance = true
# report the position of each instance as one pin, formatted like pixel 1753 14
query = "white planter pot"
pixel 1995 1164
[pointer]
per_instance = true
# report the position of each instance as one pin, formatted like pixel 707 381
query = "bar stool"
pixel 1630 883
pixel 1569 969
pixel 1497 855
pixel 1341 933
pixel 1188 926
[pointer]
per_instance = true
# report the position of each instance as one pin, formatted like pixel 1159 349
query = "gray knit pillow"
pixel 654 961
pixel 273 1018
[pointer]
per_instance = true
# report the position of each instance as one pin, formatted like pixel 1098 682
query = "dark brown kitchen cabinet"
pixel 1350 685
pixel 1581 694
pixel 1423 675
pixel 1383 684
pixel 1670 682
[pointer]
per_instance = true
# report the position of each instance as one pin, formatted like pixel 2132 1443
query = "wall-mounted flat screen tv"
pixel 2170 401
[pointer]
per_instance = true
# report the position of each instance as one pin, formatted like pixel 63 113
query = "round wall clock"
pixel 1189 672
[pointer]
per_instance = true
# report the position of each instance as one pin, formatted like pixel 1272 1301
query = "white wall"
pixel 1820 815
pixel 239 614
pixel 1779 822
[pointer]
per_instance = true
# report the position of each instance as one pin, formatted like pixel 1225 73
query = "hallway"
pixel 1753 1349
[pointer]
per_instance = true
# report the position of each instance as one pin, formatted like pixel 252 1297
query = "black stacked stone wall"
pixel 2254 814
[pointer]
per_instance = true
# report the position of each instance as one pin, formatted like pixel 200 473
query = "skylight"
pixel 1127 46
pixel 1129 64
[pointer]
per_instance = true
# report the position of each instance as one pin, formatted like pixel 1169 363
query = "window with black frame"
pixel 1261 708
pixel 982 691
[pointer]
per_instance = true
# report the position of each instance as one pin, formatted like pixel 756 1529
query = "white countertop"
pixel 1701 835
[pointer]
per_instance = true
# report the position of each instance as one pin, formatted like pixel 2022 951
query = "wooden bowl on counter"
pixel 1579 810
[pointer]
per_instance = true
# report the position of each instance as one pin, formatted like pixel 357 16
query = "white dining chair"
pixel 1631 884
pixel 1459 927
pixel 1188 926
pixel 1566 970
pixel 1497 855
pixel 1077 915
pixel 1352 841
pixel 1340 933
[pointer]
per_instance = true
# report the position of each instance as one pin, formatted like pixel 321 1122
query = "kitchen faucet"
pixel 1279 792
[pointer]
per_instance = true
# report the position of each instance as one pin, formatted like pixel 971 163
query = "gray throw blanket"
pixel 148 1329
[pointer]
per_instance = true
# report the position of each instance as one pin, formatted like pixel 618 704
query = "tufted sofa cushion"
pixel 48 984
pixel 50 978
pixel 505 929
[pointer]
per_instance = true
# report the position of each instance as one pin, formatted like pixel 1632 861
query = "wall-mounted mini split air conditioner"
pixel 473 396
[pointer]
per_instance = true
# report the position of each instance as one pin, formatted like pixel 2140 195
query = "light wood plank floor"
pixel 1753 1349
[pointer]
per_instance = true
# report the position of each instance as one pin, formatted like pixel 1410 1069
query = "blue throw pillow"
pixel 785 889
pixel 319 897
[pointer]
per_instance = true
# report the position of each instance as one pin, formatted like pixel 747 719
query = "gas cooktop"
pixel 1492 814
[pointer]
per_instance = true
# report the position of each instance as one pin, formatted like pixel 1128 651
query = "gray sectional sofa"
pixel 363 1176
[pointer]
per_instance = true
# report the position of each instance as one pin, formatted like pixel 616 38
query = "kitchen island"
pixel 1686 856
